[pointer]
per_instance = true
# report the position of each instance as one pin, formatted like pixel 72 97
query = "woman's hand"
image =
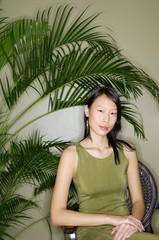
pixel 123 231
pixel 119 220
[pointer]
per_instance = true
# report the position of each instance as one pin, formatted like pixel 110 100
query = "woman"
pixel 101 167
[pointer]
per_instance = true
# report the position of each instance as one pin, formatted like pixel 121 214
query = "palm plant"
pixel 62 59
pixel 26 162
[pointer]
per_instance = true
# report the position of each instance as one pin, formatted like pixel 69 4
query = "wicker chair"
pixel 149 188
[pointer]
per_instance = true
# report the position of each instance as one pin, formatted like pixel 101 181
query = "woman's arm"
pixel 134 184
pixel 59 213
pixel 124 231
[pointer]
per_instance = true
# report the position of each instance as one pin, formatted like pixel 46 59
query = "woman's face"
pixel 102 115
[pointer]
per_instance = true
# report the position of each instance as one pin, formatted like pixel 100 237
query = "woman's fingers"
pixel 120 232
pixel 130 231
pixel 127 227
pixel 118 220
pixel 137 223
pixel 115 229
pixel 124 231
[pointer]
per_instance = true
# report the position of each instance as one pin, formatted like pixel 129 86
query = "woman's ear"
pixel 86 110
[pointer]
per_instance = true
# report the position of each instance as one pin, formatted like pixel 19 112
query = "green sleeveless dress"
pixel 101 187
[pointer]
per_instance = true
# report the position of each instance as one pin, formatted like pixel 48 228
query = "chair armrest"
pixel 69 229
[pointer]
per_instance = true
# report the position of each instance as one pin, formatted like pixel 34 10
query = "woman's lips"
pixel 104 128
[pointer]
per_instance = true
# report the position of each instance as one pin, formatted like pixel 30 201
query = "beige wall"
pixel 134 25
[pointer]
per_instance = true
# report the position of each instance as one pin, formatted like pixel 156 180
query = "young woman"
pixel 101 167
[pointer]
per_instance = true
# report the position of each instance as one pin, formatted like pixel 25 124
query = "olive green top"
pixel 101 186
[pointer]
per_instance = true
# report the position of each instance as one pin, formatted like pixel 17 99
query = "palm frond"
pixel 30 225
pixel 48 184
pixel 4 233
pixel 129 112
pixel 27 162
pixel 83 79
pixel 12 211
pixel 31 43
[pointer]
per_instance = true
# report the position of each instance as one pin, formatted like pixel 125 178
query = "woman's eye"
pixel 113 113
pixel 100 110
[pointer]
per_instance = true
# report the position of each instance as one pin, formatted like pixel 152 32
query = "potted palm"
pixel 61 59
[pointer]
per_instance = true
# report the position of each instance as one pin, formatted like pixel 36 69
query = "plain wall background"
pixel 134 26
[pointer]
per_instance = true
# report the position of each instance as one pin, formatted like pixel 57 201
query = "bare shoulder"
pixel 69 159
pixel 128 146
pixel 69 155
pixel 129 150
pixel 70 151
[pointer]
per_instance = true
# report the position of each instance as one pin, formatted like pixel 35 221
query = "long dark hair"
pixel 112 141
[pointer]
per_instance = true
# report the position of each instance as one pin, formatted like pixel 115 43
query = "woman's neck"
pixel 99 142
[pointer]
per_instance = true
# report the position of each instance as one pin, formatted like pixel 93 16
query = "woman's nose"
pixel 106 118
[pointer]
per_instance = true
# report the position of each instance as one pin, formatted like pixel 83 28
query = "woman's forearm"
pixel 65 217
pixel 138 209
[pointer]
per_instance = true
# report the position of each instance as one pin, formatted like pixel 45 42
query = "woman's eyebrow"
pixel 104 107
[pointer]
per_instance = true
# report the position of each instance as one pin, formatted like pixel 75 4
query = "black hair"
pixel 112 141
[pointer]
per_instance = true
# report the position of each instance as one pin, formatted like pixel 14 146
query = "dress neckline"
pixel 94 156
